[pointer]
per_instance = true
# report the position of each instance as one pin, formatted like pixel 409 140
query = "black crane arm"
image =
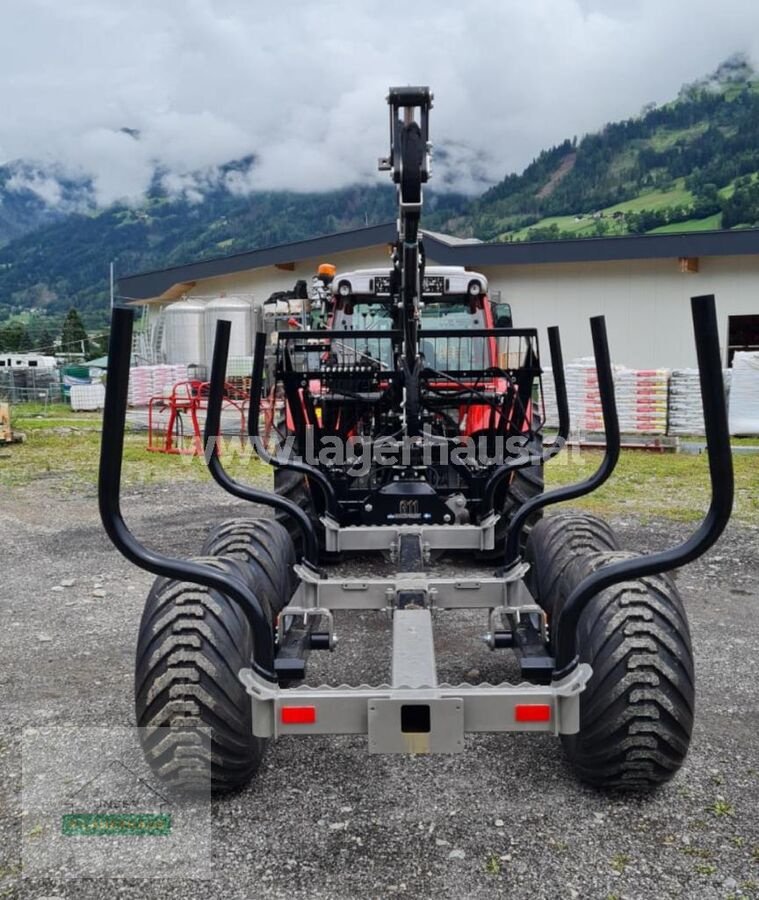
pixel 409 165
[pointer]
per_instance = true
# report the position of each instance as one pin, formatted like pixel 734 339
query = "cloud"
pixel 301 84
pixel 43 186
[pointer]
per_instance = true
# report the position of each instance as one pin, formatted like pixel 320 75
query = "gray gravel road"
pixel 325 819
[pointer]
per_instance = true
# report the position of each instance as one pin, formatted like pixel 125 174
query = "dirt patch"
pixel 565 167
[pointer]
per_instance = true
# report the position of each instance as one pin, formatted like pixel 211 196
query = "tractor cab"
pixel 451 297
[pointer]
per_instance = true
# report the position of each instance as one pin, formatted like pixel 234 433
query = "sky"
pixel 301 84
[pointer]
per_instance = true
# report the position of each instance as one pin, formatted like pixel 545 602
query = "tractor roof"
pixel 437 280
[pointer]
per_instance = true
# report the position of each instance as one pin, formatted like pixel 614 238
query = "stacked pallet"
pixel 238 387
pixel 686 415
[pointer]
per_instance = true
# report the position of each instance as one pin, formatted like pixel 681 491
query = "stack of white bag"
pixel 642 400
pixel 585 412
pixel 744 394
pixel 140 385
pixel 686 414
pixel 163 380
pixel 153 381
pixel 582 396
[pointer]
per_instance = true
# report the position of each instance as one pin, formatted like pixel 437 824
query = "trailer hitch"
pixel 314 475
pixel 213 459
pixel 109 491
pixel 557 362
pixel 721 479
pixel 611 453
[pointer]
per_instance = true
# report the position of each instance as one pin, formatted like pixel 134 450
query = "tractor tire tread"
pixel 553 544
pixel 637 710
pixel 193 712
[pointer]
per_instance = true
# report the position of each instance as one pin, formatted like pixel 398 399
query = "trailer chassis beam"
pixel 414 714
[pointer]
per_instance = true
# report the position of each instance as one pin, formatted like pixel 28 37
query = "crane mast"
pixel 409 166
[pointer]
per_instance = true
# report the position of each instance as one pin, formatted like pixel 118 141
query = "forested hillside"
pixel 67 264
pixel 689 164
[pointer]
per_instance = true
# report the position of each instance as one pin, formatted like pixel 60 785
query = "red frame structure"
pixel 191 398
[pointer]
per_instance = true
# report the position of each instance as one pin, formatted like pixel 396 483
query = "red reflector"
pixel 298 715
pixel 533 712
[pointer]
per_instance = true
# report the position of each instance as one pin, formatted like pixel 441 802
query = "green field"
pixel 61 448
pixel 708 224
pixel 659 485
pixel 665 138
pixel 732 90
pixel 677 196
pixel 729 189
pixel 586 226
pixel 567 224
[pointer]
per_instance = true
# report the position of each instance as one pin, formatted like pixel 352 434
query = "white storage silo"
pixel 236 311
pixel 184 334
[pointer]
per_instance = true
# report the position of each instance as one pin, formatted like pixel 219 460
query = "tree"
pixel 99 345
pixel 73 335
pixel 44 341
pixel 12 336
pixel 25 341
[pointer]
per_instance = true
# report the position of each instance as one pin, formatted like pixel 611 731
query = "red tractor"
pixel 474 409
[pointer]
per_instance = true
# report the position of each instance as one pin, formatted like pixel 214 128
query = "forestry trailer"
pixel 413 428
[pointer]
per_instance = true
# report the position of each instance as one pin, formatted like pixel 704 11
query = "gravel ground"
pixel 325 819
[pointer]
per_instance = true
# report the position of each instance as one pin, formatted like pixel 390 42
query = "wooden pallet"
pixel 6 433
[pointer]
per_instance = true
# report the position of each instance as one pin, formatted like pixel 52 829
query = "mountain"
pixel 32 196
pixel 686 165
pixel 64 264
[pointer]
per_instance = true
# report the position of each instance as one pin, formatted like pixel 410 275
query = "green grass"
pixel 567 224
pixel 665 138
pixel 734 441
pixel 623 163
pixel 731 91
pixel 659 485
pixel 708 224
pixel 729 189
pixel 62 449
pixel 653 200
